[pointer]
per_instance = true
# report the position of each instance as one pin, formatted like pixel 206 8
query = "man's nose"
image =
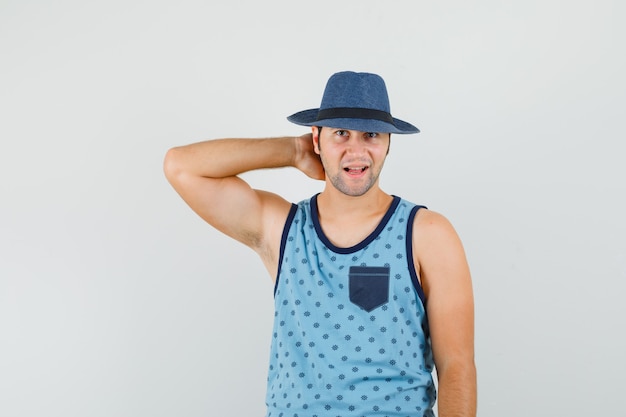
pixel 355 145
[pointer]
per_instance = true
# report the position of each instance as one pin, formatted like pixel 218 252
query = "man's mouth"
pixel 355 170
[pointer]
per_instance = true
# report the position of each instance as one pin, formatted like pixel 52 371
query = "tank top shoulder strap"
pixel 409 253
pixel 283 240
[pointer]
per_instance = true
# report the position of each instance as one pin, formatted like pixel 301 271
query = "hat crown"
pixel 356 90
pixel 354 101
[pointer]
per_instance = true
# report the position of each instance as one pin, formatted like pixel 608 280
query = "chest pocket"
pixel 369 286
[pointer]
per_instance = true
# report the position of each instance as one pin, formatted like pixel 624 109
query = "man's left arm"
pixel 446 281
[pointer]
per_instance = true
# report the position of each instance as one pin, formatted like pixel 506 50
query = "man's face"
pixel 352 159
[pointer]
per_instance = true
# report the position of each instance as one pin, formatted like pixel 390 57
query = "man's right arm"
pixel 205 175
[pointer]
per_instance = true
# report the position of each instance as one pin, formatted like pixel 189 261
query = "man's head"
pixel 354 101
pixel 352 159
pixel 351 130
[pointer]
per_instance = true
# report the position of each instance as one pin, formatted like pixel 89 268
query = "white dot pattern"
pixel 329 356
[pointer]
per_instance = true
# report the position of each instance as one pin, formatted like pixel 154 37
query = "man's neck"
pixel 347 220
pixel 336 205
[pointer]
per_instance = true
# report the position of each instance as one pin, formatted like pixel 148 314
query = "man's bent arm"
pixel 205 176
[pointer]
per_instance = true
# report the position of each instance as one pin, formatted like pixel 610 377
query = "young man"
pixel 371 291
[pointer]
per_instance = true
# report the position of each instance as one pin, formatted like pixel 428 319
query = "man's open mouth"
pixel 354 170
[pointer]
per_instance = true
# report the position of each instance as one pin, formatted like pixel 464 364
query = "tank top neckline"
pixel 381 225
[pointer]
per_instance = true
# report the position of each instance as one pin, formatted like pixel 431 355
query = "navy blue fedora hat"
pixel 355 101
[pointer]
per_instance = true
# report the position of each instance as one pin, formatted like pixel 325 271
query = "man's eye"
pixel 371 134
pixel 341 132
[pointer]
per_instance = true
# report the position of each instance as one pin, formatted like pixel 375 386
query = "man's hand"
pixel 306 160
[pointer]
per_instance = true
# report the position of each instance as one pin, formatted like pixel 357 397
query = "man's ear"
pixel 316 139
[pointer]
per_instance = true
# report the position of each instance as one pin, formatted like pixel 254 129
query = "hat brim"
pixel 309 118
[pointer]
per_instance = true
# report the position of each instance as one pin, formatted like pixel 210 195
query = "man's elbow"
pixel 172 166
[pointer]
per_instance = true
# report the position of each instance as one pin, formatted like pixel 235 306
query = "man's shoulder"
pixel 433 234
pixel 431 221
pixel 433 228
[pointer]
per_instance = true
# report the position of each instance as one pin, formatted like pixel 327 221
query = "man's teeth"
pixel 361 169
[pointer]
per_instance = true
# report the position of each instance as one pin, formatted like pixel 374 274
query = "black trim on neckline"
pixel 369 239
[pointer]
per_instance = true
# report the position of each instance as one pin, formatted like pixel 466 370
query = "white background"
pixel 117 300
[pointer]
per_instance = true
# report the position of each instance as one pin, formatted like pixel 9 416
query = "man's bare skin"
pixel 351 205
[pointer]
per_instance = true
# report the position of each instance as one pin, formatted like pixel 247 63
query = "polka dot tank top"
pixel 350 336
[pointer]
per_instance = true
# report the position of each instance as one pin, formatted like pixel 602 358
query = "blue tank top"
pixel 350 334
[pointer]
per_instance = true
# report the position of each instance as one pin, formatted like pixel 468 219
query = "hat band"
pixel 354 113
